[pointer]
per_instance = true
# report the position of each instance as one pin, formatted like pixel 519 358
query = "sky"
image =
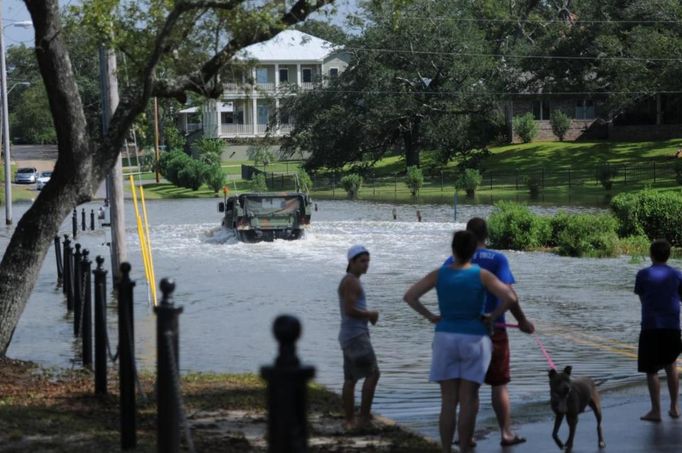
pixel 15 10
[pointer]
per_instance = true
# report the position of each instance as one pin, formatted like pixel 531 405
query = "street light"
pixel 25 84
pixel 5 115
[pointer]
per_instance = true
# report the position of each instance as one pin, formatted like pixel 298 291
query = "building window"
pixel 584 110
pixel 262 75
pixel 307 75
pixel 227 117
pixel 333 72
pixel 263 114
pixel 541 110
pixel 283 75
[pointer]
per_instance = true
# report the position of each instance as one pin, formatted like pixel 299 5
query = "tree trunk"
pixel 411 143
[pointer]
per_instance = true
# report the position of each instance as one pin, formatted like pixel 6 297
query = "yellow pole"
pixel 140 233
pixel 148 241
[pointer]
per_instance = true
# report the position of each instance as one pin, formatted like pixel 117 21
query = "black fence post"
pixel 125 358
pixel 77 278
pixel 100 328
pixel 68 272
pixel 83 219
pixel 74 223
pixel 87 311
pixel 92 220
pixel 168 373
pixel 654 172
pixel 58 257
pixel 287 384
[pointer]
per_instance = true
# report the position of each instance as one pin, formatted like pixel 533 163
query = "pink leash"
pixel 550 362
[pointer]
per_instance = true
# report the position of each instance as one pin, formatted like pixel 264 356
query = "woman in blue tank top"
pixel 461 343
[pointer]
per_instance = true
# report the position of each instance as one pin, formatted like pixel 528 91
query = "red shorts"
pixel 498 371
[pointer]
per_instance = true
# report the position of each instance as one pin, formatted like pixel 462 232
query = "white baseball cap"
pixel 356 250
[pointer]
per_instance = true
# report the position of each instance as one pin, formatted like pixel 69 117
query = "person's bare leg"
pixel 654 415
pixel 348 397
pixel 368 388
pixel 449 391
pixel 674 389
pixel 502 408
pixel 468 399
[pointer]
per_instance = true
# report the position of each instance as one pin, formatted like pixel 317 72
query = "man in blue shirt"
pixel 659 288
pixel 499 374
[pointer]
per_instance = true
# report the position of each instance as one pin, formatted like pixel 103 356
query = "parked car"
pixel 43 179
pixel 26 175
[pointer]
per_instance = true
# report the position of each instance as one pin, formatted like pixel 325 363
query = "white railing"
pixel 284 129
pixel 307 85
pixel 268 86
pixel 261 128
pixel 236 129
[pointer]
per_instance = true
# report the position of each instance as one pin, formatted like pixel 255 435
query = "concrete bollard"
pixel 86 334
pixel 68 272
pixel 77 289
pixel 58 257
pixel 287 390
pixel 92 220
pixel 74 223
pixel 100 328
pixel 168 373
pixel 126 368
pixel 83 219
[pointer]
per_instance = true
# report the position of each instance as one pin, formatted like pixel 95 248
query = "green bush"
pixel 525 127
pixel 174 139
pixel 533 183
pixel 351 184
pixel 557 224
pixel 259 183
pixel 304 181
pixel 649 213
pixel 210 150
pixel 171 163
pixel 605 175
pixel 469 181
pixel 192 175
pixel 592 235
pixel 678 170
pixel 215 178
pixel 414 179
pixel 514 226
pixel 560 123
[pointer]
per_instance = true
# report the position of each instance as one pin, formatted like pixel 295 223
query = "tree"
pixel 469 180
pixel 351 184
pixel 215 178
pixel 414 180
pixel 561 124
pixel 433 93
pixel 261 155
pixel 526 127
pixel 210 150
pixel 83 161
pixel 305 183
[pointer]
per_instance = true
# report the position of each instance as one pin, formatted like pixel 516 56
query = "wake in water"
pixel 219 235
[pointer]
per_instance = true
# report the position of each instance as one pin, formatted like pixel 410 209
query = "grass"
pixel 57 411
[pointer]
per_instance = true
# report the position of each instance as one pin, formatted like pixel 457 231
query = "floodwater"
pixel 584 309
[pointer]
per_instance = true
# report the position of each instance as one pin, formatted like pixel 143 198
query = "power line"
pixel 539 21
pixel 459 93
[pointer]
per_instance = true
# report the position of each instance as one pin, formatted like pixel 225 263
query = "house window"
pixel 541 110
pixel 227 117
pixel 333 72
pixel 283 75
pixel 262 75
pixel 263 114
pixel 584 110
pixel 307 75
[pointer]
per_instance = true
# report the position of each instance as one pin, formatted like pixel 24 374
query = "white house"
pixel 290 59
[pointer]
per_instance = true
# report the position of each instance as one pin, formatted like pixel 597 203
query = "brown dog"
pixel 570 397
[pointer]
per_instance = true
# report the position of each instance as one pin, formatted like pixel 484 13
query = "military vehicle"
pixel 256 217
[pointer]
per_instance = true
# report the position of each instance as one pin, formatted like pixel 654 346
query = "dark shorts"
pixel 658 348
pixel 359 360
pixel 498 371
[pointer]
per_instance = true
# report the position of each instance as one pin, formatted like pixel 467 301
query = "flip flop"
pixel 652 420
pixel 673 415
pixel 515 441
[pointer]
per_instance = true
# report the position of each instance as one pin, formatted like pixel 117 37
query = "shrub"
pixel 560 123
pixel 171 163
pixel 351 184
pixel 414 179
pixel 192 175
pixel 514 226
pixel 259 183
pixel 587 235
pixel 653 214
pixel 469 181
pixel 215 178
pixel 304 181
pixel 210 150
pixel 174 139
pixel 533 184
pixel 525 127
pixel 261 155
pixel 605 175
pixel 678 170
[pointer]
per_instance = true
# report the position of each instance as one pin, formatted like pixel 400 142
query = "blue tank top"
pixel 461 300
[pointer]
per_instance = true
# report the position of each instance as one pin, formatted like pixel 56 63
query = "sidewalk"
pixel 623 431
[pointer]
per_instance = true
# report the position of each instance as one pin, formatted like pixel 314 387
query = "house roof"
pixel 289 45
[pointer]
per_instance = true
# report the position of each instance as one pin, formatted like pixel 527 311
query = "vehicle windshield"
pixel 283 206
pixel 25 170
pixel 46 174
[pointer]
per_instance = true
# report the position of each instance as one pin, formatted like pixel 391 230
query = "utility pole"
pixel 5 127
pixel 156 138
pixel 114 184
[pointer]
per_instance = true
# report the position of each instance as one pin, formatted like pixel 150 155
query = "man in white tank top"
pixel 359 360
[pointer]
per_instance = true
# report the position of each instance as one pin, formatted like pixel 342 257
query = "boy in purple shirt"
pixel 659 287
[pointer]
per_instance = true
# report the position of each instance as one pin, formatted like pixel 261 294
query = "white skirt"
pixel 460 356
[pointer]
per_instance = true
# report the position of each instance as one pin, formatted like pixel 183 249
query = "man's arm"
pixel 525 325
pixel 350 293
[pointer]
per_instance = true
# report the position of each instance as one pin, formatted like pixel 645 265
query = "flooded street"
pixel 585 311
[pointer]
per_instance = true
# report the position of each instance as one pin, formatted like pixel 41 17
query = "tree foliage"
pixel 560 123
pixel 414 180
pixel 525 127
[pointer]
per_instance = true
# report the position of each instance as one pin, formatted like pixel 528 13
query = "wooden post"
pixel 156 138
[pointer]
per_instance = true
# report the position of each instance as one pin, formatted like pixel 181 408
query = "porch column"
pixel 254 115
pixel 276 76
pixel 298 74
pixel 277 124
